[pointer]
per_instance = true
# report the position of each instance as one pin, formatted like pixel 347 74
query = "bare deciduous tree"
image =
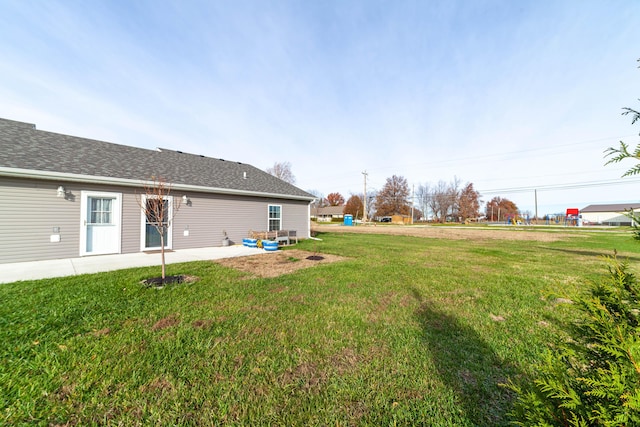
pixel 423 195
pixel 444 200
pixel 319 201
pixel 441 200
pixel 372 196
pixel 283 171
pixel 159 211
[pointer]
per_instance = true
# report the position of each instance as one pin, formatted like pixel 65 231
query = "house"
pixel 400 219
pixel 327 213
pixel 65 196
pixel 613 214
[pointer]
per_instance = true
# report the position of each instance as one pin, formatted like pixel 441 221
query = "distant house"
pixel 613 214
pixel 65 196
pixel 400 219
pixel 327 213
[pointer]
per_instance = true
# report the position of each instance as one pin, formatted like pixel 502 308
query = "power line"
pixel 566 186
pixel 463 160
pixel 508 154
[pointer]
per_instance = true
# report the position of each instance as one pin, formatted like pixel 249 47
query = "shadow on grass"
pixel 467 365
pixel 590 253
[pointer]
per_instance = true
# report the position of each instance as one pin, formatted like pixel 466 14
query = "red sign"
pixel 573 211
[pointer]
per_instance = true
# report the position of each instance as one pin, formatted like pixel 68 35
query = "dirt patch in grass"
pixel 202 323
pixel 101 332
pixel 453 233
pixel 275 264
pixel 158 385
pixel 166 322
pixel 306 377
pixel 345 361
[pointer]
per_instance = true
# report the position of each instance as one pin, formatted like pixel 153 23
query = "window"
pixel 100 211
pixel 275 217
pixel 156 218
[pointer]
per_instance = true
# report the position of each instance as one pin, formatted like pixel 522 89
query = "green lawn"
pixel 407 331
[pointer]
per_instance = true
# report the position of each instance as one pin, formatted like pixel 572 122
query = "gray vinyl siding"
pixel 131 220
pixel 30 209
pixel 295 216
pixel 29 212
pixel 208 216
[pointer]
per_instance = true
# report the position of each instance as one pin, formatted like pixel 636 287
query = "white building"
pixel 614 214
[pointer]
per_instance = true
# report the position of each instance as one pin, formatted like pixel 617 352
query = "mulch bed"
pixel 157 282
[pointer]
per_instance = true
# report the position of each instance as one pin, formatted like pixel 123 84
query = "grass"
pixel 407 331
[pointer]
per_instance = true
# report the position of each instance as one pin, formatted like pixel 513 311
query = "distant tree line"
pixel 440 202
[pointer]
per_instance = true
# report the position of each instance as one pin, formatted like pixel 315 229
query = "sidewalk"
pixel 34 270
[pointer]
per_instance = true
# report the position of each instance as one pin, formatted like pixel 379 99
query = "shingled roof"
pixel 618 207
pixel 24 150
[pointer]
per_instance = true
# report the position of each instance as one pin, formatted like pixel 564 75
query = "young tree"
pixel 283 171
pixel 159 208
pixel 335 199
pixel 622 153
pixel 592 376
pixel 371 195
pixel 423 196
pixel 354 206
pixel 468 202
pixel 444 200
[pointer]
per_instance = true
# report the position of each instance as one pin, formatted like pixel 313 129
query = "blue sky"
pixel 509 95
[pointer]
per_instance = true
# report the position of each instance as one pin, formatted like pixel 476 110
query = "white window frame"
pixel 143 223
pixel 116 218
pixel 269 218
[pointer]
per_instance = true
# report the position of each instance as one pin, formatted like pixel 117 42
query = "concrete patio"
pixel 95 264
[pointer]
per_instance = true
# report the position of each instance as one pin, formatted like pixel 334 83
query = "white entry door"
pixel 100 230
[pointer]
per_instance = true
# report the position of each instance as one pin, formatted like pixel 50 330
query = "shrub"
pixel 594 378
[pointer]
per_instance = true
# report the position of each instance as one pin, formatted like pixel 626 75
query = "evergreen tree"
pixel 594 378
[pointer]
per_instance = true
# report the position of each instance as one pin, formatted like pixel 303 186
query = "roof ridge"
pixel 25 148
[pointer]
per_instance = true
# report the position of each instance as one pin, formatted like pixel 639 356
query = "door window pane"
pixel 156 222
pixel 100 211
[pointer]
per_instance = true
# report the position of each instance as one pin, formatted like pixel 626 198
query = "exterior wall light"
pixel 185 199
pixel 62 192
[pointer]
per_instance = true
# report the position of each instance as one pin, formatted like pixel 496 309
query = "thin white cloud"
pixel 419 89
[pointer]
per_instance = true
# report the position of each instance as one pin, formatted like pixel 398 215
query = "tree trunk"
pixel 162 254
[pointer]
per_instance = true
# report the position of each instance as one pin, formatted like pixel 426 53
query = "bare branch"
pixel 159 209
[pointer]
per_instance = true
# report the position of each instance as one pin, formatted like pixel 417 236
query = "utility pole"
pixel 413 192
pixel 364 198
pixel 535 193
